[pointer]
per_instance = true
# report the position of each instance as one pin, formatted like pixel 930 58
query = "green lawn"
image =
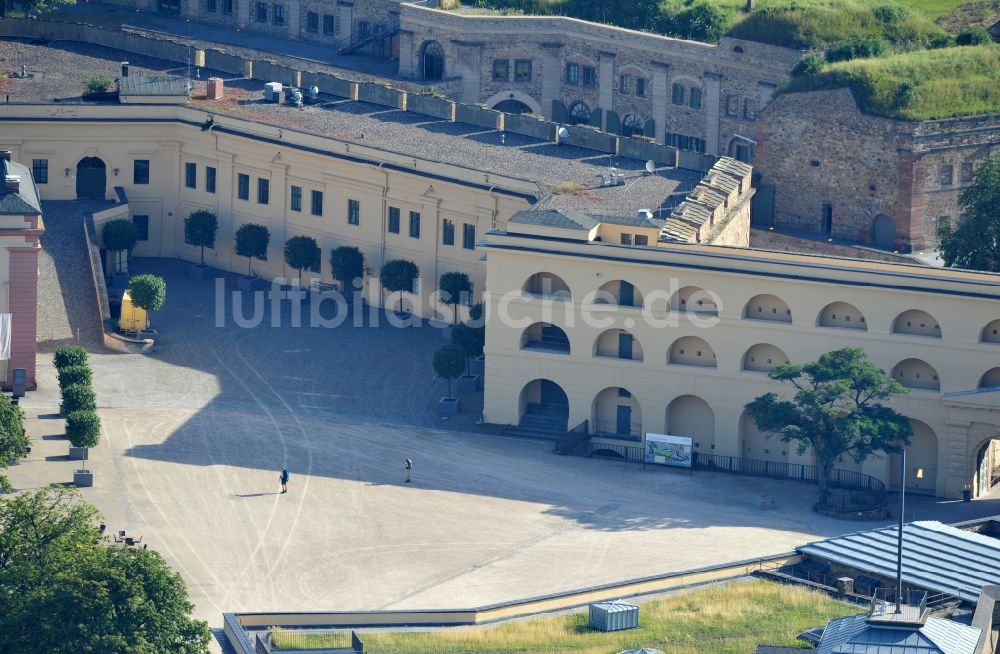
pixel 933 8
pixel 729 619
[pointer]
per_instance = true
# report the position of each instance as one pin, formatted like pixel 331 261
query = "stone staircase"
pixel 541 421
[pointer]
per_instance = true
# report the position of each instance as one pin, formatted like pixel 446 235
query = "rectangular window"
pixel 261 12
pixel 589 76
pixel 501 70
pixel 393 225
pixel 732 105
pixel 414 224
pixel 468 236
pixel 695 98
pixel 210 6
pixel 522 70
pixel 749 109
pixel 640 87
pixel 447 232
pixel 278 14
pixel 40 170
pixel 626 239
pixel 191 175
pixel 316 203
pixel 140 171
pixel 209 179
pixel 677 94
pixel 965 171
pixel 312 22
pixel 243 187
pixel 327 24
pixel 353 212
pixel 141 227
pixel 946 175
pixel 227 7
pixel 572 73
pixel 263 191
pixel 624 84
pixel 296 198
pixel 641 239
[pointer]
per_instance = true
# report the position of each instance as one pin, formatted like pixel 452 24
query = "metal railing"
pixel 627 451
pixel 279 639
pixel 883 603
pixel 782 470
pixel 610 428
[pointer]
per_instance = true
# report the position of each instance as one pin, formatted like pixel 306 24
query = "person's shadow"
pixel 257 494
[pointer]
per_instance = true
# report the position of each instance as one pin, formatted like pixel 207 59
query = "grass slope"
pixel 921 85
pixel 729 619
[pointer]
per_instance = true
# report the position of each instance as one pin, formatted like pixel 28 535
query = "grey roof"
pixel 641 650
pixel 26 199
pixel 936 557
pixel 614 606
pixel 854 635
pixel 571 219
pixel 778 649
pixel 166 85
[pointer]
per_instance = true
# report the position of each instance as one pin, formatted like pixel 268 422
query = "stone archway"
pixel 432 61
pixel 689 415
pixel 544 407
pixel 91 179
pixel 514 102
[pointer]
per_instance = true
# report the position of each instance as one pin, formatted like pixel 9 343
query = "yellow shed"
pixel 133 319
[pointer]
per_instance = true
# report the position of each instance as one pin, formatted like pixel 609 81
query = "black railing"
pixel 626 451
pixel 610 428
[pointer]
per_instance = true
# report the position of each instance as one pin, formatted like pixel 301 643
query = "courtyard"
pixel 195 434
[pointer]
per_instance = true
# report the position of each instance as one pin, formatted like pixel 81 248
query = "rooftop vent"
pixel 613 615
pixel 12 183
pixel 644 214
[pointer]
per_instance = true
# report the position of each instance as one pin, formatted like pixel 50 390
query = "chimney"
pixel 644 214
pixel 12 183
pixel 124 69
pixel 5 155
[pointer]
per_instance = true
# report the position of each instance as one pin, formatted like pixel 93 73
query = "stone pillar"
pixel 242 13
pixel 345 22
pixel 551 76
pixel 606 86
pixel 294 19
pixel 953 470
pixel 713 100
pixel 276 213
pixel 23 304
pixel 406 69
pixel 469 67
pixel 168 165
pixel 909 216
pixel 658 96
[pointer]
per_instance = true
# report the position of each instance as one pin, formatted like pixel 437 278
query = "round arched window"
pixel 579 113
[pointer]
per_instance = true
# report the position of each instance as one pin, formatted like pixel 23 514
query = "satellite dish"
pixel 563 133
pixel 650 166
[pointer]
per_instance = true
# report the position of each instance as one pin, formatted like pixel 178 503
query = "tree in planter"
pixel 71 375
pixel 119 235
pixel 470 340
pixel 83 428
pixel 76 398
pixel 975 242
pixel 399 275
pixel 199 230
pixel 455 287
pixel 251 242
pixel 302 252
pixel 347 264
pixel 836 410
pixel 69 355
pixel 449 361
pixel 72 588
pixel 148 292
pixel 14 442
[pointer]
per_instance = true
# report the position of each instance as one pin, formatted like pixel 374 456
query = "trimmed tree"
pixel 119 235
pixel 148 292
pixel 470 340
pixel 251 241
pixel 78 397
pixel 302 252
pixel 200 229
pixel 69 355
pixel 975 242
pixel 454 286
pixel 836 410
pixel 83 428
pixel 347 263
pixel 14 443
pixel 399 275
pixel 71 375
pixel 449 361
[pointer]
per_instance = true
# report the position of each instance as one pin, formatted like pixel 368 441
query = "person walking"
pixel 284 479
pixel 408 466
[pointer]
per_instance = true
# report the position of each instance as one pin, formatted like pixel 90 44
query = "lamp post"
pixel 899 535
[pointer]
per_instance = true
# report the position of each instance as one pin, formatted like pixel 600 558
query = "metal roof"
pixel 936 557
pixel 854 635
pixel 153 85
pixel 25 199
pixel 613 606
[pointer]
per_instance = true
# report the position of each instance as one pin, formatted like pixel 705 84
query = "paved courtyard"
pixel 195 434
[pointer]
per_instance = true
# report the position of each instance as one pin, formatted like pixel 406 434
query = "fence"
pixel 279 639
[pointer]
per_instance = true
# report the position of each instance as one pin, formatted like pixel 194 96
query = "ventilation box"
pixel 614 615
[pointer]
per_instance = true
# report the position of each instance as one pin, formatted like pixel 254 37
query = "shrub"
pixel 455 288
pixel 14 443
pixel 96 84
pixel 941 40
pixel 251 241
pixel 399 275
pixel 973 36
pixel 148 292
pixel 199 230
pixel 470 340
pixel 347 264
pixel 83 428
pixel 857 47
pixel 119 235
pixel 809 65
pixel 72 375
pixel 76 398
pixel 302 252
pixel 69 355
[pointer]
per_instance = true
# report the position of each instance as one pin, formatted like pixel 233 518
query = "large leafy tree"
pixel 837 410
pixel 975 242
pixel 13 441
pixel 199 230
pixel 63 589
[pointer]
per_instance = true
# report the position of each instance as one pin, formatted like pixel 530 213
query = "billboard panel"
pixel 669 450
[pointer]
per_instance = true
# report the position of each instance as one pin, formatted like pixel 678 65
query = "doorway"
pixel 623 422
pixel 883 232
pixel 91 179
pixel 827 218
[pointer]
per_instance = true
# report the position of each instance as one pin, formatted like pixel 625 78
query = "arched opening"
pixel 991 332
pixel 990 379
pixel 914 373
pixel 509 106
pixel 921 461
pixel 843 316
pixel 544 407
pixel 763 357
pixel 545 337
pixel 618 344
pixel 917 323
pixel 767 307
pixel 695 300
pixel 618 292
pixel 756 445
pixel 579 114
pixel 689 415
pixel 524 102
pixel 883 232
pixel 692 351
pixel 547 285
pixel 91 179
pixel 616 412
pixel 987 470
pixel 432 60
pixel 631 125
